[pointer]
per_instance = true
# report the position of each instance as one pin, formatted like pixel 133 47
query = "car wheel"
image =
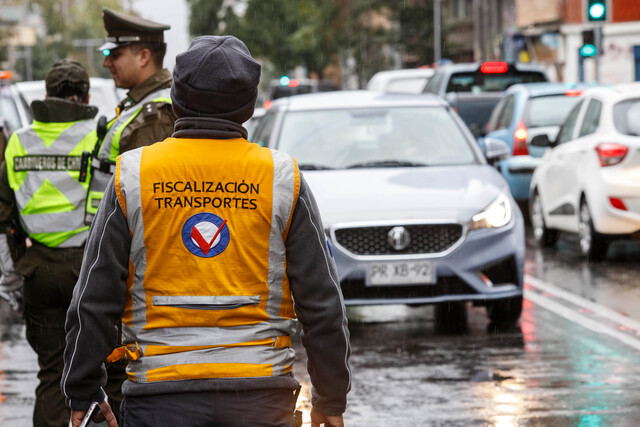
pixel 593 245
pixel 503 311
pixel 543 235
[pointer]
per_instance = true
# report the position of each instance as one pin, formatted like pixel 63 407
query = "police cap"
pixel 123 30
pixel 67 78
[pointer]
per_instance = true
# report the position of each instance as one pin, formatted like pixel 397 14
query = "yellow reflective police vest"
pixel 44 168
pixel 208 295
pixel 103 166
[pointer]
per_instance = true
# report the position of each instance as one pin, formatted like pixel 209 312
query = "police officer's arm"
pixel 97 304
pixel 153 124
pixel 319 306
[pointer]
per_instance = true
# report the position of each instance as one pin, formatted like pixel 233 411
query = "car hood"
pixel 451 193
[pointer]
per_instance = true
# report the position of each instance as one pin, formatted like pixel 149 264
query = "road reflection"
pixel 614 283
pixel 407 370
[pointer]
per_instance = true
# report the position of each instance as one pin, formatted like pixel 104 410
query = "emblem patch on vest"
pixel 205 235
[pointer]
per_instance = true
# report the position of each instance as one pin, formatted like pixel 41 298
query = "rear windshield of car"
pixel 478 82
pixel 626 117
pixel 548 110
pixel 345 138
pixel 475 113
pixel 9 111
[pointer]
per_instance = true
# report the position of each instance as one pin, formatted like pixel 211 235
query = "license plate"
pixel 401 273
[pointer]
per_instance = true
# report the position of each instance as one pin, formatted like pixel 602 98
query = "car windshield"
pixel 477 82
pixel 626 117
pixel 548 110
pixel 375 137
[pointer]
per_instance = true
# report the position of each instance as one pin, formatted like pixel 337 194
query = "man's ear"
pixel 144 56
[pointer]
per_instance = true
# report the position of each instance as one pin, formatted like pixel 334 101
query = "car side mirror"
pixel 542 140
pixel 495 150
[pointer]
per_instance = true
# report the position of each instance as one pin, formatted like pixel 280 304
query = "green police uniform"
pixel 43 187
pixel 144 117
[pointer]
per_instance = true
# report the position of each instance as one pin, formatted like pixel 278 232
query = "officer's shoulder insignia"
pixel 150 109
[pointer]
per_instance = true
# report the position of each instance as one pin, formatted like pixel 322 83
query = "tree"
pixel 67 23
pixel 317 33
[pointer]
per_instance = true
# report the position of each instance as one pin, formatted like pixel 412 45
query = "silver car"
pixel 413 211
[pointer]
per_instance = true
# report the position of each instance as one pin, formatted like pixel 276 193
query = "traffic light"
pixel 597 10
pixel 588 48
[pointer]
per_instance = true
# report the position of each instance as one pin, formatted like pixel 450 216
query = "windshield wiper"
pixel 312 167
pixel 386 164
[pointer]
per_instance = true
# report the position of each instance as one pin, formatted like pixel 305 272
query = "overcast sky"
pixel 171 12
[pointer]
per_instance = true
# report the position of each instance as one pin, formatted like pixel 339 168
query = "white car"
pixel 412 80
pixel 589 180
pixel 102 93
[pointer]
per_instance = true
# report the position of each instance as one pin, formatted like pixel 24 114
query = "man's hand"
pixel 106 413
pixel 11 289
pixel 318 419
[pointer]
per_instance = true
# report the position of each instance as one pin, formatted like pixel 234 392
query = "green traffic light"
pixel 596 11
pixel 588 50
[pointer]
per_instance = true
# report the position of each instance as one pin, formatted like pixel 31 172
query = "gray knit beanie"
pixel 215 77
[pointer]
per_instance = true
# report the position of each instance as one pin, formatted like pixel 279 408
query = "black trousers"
pixel 270 407
pixel 50 276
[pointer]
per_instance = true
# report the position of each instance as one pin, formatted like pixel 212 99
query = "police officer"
pixel 44 183
pixel 134 50
pixel 201 246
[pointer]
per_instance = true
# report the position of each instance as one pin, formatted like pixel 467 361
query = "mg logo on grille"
pixel 398 238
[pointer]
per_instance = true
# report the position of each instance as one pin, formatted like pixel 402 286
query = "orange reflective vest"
pixel 208 295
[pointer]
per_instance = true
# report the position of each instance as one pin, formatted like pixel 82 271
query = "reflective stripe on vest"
pixel 110 149
pixel 43 169
pixel 208 234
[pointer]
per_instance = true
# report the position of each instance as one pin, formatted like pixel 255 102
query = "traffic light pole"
pixel 597 41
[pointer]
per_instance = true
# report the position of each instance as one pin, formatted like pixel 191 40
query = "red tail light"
pixel 573 92
pixel 617 203
pixel 610 153
pixel 494 67
pixel 267 104
pixel 520 140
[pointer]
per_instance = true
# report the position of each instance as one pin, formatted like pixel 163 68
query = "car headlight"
pixel 497 214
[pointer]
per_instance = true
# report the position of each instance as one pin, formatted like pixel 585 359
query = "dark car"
pixel 473 89
pixel 286 86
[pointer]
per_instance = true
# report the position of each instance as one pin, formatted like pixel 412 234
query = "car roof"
pixel 404 73
pixel 473 66
pixel 544 88
pixel 356 99
pixel 615 92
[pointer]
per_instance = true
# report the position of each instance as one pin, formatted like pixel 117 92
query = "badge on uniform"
pixel 205 235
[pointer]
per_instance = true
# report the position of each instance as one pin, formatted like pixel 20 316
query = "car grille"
pixel 424 239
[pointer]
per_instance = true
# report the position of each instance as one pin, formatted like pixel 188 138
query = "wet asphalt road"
pixel 573 359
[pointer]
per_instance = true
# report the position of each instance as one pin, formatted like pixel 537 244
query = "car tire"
pixel 593 245
pixel 450 316
pixel 544 236
pixel 505 311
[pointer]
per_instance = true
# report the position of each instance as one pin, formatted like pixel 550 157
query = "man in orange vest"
pixel 208 249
